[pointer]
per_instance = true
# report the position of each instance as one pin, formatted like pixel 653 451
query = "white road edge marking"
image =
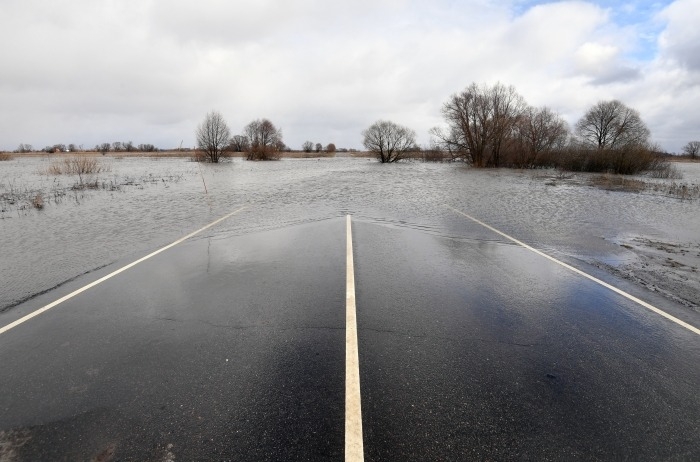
pixel 354 450
pixel 586 275
pixel 112 274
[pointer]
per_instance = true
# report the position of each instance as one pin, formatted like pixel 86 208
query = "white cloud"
pixel 91 71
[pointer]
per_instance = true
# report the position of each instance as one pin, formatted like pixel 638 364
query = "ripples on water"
pixel 166 199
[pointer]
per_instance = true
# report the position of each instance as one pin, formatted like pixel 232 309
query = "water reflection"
pixel 159 201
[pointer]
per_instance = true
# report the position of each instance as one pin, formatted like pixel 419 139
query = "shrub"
pixel 627 160
pixel 80 166
pixel 38 201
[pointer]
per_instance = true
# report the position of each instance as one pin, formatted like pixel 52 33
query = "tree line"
pixel 260 140
pixel 493 126
pixel 117 146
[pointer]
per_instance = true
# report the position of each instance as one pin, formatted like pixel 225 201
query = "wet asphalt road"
pixel 232 347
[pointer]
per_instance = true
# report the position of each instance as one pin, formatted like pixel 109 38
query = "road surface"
pixel 233 347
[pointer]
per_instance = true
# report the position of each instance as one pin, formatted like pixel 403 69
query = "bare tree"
pixel 213 135
pixel 612 125
pixel 507 107
pixel 692 149
pixel 239 143
pixel 128 146
pixel 308 146
pixel 73 148
pixel 104 147
pixel 539 131
pixel 22 148
pixel 480 121
pixel 319 147
pixel 389 141
pixel 146 148
pixel 329 148
pixel 265 140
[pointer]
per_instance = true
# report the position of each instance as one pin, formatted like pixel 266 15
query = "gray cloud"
pixel 87 71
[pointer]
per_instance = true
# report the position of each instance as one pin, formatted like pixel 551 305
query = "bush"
pixel 628 160
pixel 434 155
pixel 80 166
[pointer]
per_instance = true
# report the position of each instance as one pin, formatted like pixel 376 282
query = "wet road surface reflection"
pixel 232 344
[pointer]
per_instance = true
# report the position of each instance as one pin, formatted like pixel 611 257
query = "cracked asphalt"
pixel 232 347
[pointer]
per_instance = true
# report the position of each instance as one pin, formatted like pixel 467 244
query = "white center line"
pixel 586 275
pixel 354 450
pixel 111 275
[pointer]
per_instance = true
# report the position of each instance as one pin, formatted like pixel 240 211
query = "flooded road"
pixel 231 344
pixel 146 202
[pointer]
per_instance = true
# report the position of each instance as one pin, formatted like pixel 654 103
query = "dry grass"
pixel 673 189
pixel 617 183
pixel 6 156
pixel 80 165
pixel 678 190
pixel 38 201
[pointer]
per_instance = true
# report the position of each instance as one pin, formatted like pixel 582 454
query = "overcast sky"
pixel 93 71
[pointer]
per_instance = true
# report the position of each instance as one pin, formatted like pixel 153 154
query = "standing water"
pixel 140 204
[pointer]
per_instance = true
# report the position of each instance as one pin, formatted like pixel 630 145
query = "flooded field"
pixel 135 205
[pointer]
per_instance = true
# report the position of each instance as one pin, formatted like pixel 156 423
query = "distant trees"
pixel 319 147
pixel 612 125
pixel 239 143
pixel 611 137
pixel 480 123
pixel 692 149
pixel 389 141
pixel 492 126
pixel 330 148
pixel 265 140
pixel 23 148
pixel 539 133
pixel 213 135
pixel 146 148
pixel 308 146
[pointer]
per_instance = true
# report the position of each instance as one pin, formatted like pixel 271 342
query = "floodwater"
pixel 141 204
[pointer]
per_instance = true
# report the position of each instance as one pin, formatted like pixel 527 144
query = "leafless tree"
pixel 329 148
pixel 507 106
pixel 104 147
pixel 265 140
pixel 146 148
pixel 22 148
pixel 239 143
pixel 692 149
pixel 538 131
pixel 389 141
pixel 308 146
pixel 612 125
pixel 73 148
pixel 480 121
pixel 319 147
pixel 128 146
pixel 213 135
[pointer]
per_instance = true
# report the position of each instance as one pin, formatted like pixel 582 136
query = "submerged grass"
pixel 611 182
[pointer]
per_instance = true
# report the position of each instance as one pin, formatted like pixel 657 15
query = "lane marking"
pixel 354 450
pixel 586 275
pixel 112 274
